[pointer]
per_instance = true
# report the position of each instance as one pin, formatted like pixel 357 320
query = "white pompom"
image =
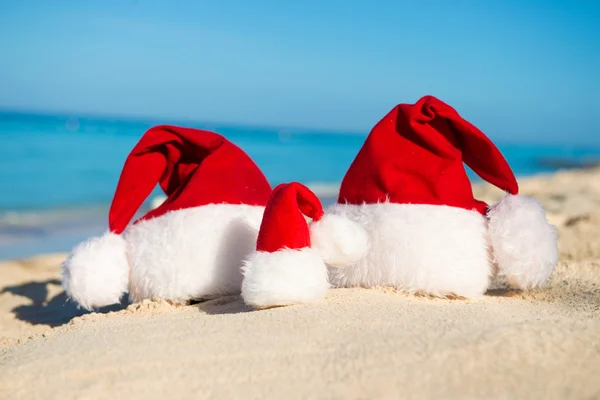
pixel 340 240
pixel 525 244
pixel 96 273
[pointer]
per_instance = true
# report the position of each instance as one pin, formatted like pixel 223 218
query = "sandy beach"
pixel 357 344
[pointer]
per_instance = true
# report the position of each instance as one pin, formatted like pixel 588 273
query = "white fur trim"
pixel 96 272
pixel 339 240
pixel 525 245
pixel 426 249
pixel 192 253
pixel 285 277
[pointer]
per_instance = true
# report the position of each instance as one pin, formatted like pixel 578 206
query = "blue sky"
pixel 520 70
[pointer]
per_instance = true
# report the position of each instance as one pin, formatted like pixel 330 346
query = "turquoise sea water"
pixel 58 173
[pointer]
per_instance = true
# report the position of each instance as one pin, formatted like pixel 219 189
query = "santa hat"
pixel 415 155
pixel 194 168
pixel 289 265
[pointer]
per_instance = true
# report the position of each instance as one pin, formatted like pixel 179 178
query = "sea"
pixel 58 173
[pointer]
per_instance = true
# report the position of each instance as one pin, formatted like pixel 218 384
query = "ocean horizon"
pixel 59 172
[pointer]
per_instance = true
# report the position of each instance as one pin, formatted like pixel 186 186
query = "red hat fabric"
pixel 415 155
pixel 193 167
pixel 283 225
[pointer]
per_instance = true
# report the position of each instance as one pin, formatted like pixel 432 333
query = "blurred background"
pixel 298 85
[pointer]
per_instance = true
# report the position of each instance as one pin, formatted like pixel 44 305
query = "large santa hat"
pixel 194 168
pixel 289 265
pixel 414 156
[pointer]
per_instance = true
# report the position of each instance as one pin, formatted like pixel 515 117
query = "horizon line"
pixel 210 125
pixel 175 120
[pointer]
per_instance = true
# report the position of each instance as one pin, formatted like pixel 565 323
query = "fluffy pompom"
pixel 285 277
pixel 524 243
pixel 96 273
pixel 340 240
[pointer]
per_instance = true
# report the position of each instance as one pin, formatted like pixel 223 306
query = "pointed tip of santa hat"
pixel 289 265
pixel 194 168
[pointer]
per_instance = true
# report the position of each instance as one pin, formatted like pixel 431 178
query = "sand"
pixel 357 344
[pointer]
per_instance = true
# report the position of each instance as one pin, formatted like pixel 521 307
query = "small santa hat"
pixel 289 265
pixel 415 155
pixel 194 168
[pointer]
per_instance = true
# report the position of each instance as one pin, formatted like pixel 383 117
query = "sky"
pixel 519 70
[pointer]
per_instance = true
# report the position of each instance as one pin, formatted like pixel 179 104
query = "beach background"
pixel 60 171
pixel 298 86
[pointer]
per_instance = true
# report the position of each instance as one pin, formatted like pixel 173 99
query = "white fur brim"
pixel 192 253
pixel 284 277
pixel 96 273
pixel 185 254
pixel 426 249
pixel 339 240
pixel 525 244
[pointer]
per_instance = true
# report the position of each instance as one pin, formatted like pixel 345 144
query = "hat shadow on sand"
pixel 50 310
pixel 223 305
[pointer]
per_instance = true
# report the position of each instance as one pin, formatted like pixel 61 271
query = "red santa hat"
pixel 289 265
pixel 415 156
pixel 194 168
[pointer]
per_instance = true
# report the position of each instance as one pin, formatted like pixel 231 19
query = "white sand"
pixel 357 344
